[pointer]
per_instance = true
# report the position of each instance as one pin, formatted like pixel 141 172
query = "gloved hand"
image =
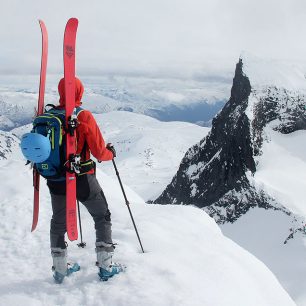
pixel 111 148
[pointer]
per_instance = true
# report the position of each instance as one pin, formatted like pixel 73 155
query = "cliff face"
pixel 216 173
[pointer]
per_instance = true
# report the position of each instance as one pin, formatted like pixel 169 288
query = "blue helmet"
pixel 35 147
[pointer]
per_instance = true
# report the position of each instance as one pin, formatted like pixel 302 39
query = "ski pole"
pixel 81 244
pixel 127 203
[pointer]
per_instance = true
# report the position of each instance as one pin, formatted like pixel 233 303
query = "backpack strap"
pixel 79 110
pixel 86 166
pixel 51 107
pixel 89 164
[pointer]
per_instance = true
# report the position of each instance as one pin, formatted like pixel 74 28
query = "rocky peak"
pixel 214 174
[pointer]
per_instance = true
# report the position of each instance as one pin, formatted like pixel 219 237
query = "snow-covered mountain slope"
pixel 281 169
pixel 148 151
pixel 8 144
pixel 254 156
pixel 264 73
pixel 281 173
pixel 187 261
pixel 264 233
pixel 164 99
pixel 218 173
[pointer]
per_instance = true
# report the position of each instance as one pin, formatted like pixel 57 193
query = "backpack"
pixel 51 124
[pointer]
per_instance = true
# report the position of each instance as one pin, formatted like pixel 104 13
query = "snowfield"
pixel 149 151
pixel 281 173
pixel 263 233
pixel 273 73
pixel 187 260
pixel 281 169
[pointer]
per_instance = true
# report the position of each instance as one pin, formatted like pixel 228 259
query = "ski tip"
pixel 42 24
pixel 73 21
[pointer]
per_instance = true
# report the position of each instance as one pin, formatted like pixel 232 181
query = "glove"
pixel 111 148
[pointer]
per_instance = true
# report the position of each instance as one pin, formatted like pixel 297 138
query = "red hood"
pixel 79 89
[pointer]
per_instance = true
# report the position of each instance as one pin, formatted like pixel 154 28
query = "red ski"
pixel 40 109
pixel 71 123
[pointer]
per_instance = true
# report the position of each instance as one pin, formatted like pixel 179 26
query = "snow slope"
pixel 148 151
pixel 187 261
pixel 281 169
pixel 273 73
pixel 280 173
pixel 263 233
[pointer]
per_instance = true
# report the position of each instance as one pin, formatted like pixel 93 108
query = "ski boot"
pixel 60 266
pixel 107 269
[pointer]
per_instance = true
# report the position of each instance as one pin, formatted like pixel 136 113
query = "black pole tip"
pixel 82 245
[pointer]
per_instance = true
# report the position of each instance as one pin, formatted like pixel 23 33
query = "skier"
pixel 89 192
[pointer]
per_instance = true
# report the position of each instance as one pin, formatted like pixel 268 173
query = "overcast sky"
pixel 152 37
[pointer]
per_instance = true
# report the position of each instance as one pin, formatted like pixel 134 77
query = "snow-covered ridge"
pixel 188 261
pixel 273 73
pixel 259 136
pixel 281 169
pixel 237 136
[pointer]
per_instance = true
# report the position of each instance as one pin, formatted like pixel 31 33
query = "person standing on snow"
pixel 89 193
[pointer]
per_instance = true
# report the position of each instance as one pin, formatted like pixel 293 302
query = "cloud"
pixel 155 37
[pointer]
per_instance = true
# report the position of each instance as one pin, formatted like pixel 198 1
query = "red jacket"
pixel 88 132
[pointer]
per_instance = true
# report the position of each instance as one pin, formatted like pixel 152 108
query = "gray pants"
pixel 90 194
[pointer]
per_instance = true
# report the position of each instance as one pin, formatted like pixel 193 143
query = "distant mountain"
pixel 163 99
pixel 218 173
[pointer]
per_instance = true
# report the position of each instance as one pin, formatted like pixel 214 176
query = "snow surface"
pixel 188 261
pixel 149 151
pixel 281 173
pixel 8 144
pixel 281 169
pixel 269 73
pixel 263 232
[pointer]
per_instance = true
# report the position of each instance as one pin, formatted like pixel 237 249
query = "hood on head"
pixel 79 89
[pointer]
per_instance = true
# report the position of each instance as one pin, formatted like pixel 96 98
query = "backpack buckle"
pixel 74 163
pixel 72 124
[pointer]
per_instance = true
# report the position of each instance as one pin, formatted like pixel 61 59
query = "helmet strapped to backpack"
pixel 35 147
pixel 48 132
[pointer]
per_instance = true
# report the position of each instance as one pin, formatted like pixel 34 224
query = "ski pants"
pixel 91 195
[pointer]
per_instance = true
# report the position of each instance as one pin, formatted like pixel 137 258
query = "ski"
pixel 40 109
pixel 70 113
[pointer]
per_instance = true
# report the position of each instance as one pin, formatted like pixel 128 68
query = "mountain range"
pixel 195 101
